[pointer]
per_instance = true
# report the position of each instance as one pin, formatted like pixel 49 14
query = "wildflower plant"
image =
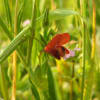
pixel 35 61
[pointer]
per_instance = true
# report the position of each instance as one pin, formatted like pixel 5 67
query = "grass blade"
pixel 61 13
pixel 14 55
pixel 30 42
pixel 90 81
pixel 53 89
pixel 92 63
pixel 14 43
pixel 34 91
pixel 20 15
pixel 3 84
pixel 58 14
pixel 94 31
pixel 35 11
pixel 8 12
pixel 9 35
pixel 5 29
pixel 84 47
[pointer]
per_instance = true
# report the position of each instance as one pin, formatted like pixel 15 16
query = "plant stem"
pixel 83 76
pixel 14 44
pixel 30 42
pixel 71 83
pixel 14 56
pixel 83 11
pixel 3 84
pixel 14 76
pixel 8 13
pixel 9 35
pixel 53 5
pixel 94 30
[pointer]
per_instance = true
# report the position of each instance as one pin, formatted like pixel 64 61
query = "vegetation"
pixel 27 72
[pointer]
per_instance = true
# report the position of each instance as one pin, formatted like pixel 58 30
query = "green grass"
pixel 39 76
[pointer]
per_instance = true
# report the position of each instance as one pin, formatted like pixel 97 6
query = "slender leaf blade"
pixel 5 29
pixel 4 87
pixel 52 85
pixel 20 15
pixel 34 91
pixel 14 43
pixel 8 12
pixel 61 13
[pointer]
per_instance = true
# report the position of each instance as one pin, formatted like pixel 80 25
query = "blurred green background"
pixel 46 77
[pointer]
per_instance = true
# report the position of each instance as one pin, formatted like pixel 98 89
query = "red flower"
pixel 55 46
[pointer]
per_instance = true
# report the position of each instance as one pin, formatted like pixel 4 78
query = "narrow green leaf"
pixel 8 12
pixel 5 29
pixel 7 32
pixel 46 24
pixel 58 14
pixel 34 91
pixel 33 26
pixel 90 81
pixel 9 35
pixel 52 85
pixel 35 14
pixel 84 38
pixel 46 19
pixel 20 14
pixel 97 78
pixel 61 13
pixel 23 84
pixel 14 43
pixel 3 84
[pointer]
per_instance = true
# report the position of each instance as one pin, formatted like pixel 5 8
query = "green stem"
pixel 14 56
pixel 9 35
pixel 14 43
pixel 12 46
pixel 5 29
pixel 83 2
pixel 71 83
pixel 8 13
pixel 3 84
pixel 94 31
pixel 30 42
pixel 83 76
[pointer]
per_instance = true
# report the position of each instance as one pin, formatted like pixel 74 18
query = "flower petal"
pixel 58 40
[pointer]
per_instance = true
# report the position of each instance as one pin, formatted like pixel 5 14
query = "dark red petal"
pixel 67 51
pixel 55 53
pixel 58 52
pixel 59 39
